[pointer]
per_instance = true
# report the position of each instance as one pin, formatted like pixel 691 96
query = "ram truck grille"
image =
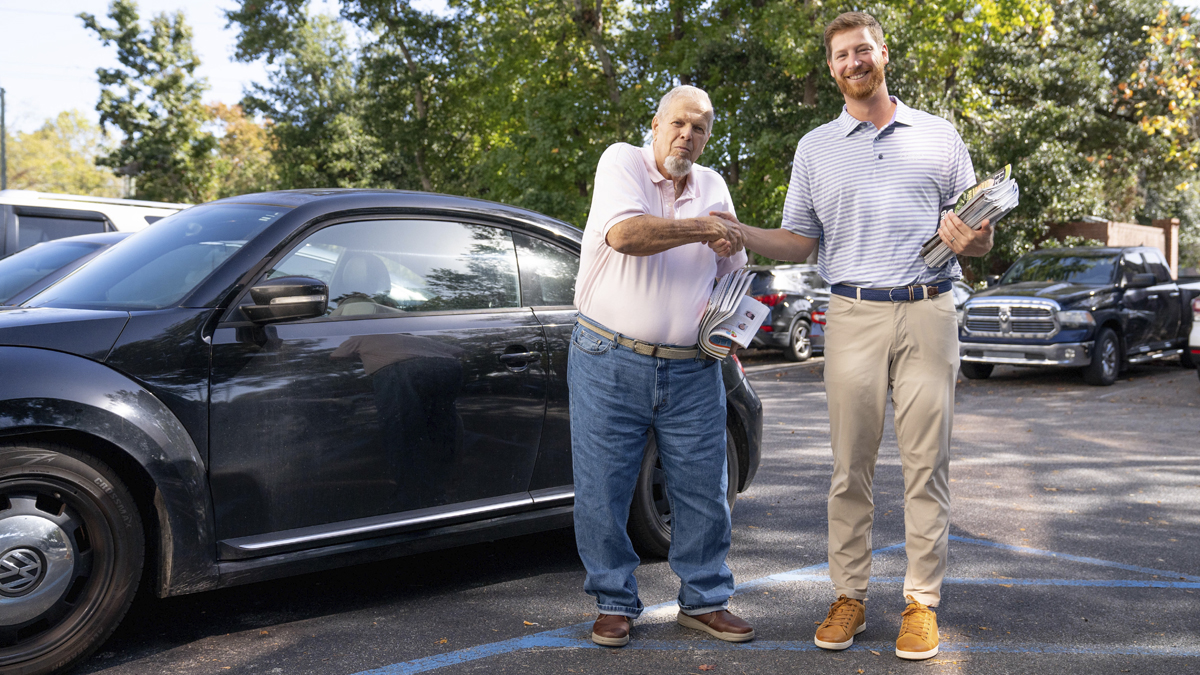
pixel 1011 320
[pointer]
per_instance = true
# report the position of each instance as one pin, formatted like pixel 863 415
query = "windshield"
pixel 1062 268
pixel 21 270
pixel 160 265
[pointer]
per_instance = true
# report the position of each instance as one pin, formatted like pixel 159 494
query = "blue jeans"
pixel 617 397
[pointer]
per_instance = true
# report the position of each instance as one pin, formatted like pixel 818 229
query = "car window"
pixel 1156 264
pixel 1060 267
pixel 20 270
pixel 394 266
pixel 547 272
pixel 159 266
pixel 1133 264
pixel 37 229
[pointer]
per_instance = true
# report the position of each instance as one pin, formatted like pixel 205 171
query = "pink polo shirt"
pixel 658 298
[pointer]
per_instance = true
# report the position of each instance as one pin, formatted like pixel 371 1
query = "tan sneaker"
pixel 918 632
pixel 847 618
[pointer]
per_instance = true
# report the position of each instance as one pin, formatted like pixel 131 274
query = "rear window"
pixel 21 270
pixel 159 266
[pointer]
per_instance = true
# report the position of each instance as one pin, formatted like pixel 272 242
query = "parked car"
pixel 25 274
pixel 1193 348
pixel 28 217
pixel 289 382
pixel 792 292
pixel 1095 308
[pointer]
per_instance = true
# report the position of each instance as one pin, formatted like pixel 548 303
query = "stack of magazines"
pixel 990 200
pixel 732 316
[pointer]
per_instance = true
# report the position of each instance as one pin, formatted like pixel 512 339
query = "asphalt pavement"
pixel 1075 548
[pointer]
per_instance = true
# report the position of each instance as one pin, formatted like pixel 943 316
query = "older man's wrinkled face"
pixel 856 62
pixel 679 135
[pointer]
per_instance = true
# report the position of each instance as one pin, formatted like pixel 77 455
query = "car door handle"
pixel 520 358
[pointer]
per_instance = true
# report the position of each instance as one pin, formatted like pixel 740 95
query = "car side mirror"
pixel 287 299
pixel 993 279
pixel 1144 280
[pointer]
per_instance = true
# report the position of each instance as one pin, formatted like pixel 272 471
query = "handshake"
pixel 727 237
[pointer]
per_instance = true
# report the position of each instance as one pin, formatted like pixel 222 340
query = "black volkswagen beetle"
pixel 286 382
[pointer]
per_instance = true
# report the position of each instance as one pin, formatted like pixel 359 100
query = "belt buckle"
pixel 892 293
pixel 932 292
pixel 652 348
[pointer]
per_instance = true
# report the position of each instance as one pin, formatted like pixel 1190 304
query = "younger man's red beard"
pixel 862 89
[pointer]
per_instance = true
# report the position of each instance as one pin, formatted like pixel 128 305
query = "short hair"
pixel 850 21
pixel 686 90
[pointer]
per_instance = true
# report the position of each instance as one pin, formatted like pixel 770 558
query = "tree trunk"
pixel 591 22
pixel 810 88
pixel 422 113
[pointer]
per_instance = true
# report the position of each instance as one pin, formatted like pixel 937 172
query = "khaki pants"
pixel 913 348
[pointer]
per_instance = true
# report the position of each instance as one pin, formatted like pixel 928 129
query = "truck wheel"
pixel 650 513
pixel 1186 359
pixel 71 551
pixel 976 371
pixel 1106 360
pixel 799 344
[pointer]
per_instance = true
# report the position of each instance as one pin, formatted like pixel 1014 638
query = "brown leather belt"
pixel 639 347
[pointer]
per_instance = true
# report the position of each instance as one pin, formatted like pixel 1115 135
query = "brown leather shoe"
pixel 720 624
pixel 611 630
pixel 847 618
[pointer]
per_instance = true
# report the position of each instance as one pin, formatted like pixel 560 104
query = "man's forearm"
pixel 778 244
pixel 646 235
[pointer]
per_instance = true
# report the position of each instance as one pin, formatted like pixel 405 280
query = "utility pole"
pixel 3 145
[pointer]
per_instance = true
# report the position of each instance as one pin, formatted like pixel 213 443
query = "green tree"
pixel 154 99
pixel 60 157
pixel 244 162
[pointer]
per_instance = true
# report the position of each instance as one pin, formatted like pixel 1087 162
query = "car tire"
pixel 650 513
pixel 1106 360
pixel 976 371
pixel 799 346
pixel 1186 359
pixel 72 545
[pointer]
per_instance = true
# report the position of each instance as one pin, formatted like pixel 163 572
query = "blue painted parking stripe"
pixel 1075 558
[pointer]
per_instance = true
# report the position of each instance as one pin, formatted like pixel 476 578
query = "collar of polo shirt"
pixel 903 115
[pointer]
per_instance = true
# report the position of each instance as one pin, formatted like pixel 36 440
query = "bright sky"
pixel 48 61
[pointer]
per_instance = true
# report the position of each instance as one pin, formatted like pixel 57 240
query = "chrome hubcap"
pixel 1109 358
pixel 37 560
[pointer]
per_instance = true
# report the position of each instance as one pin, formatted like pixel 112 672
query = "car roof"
pixel 124 214
pixel 1091 251
pixel 351 199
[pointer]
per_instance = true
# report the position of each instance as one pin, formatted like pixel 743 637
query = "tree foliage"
pixel 1095 104
pixel 154 98
pixel 60 156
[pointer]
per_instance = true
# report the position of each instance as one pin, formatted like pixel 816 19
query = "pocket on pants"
pixel 590 343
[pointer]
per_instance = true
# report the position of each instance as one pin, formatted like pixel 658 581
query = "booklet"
pixel 991 200
pixel 731 316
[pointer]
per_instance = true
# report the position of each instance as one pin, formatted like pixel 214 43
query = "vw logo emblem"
pixel 21 570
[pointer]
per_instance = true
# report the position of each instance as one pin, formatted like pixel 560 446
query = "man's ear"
pixel 883 51
pixel 831 73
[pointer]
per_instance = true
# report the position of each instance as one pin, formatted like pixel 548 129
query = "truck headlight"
pixel 1078 318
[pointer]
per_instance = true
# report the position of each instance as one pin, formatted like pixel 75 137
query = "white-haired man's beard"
pixel 864 88
pixel 677 166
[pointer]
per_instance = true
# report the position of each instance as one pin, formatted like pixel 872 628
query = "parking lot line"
pixel 575 637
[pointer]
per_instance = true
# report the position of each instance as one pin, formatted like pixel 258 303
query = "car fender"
pixel 43 390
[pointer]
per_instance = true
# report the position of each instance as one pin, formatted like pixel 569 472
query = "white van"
pixel 28 217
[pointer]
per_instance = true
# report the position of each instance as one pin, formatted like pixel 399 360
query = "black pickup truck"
pixel 1095 308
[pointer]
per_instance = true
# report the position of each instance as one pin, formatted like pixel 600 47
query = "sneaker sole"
pixel 610 641
pixel 837 646
pixel 917 656
pixel 688 622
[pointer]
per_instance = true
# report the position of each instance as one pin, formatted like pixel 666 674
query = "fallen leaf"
pixel 1006 585
pixel 442 641
pixel 875 652
pixel 707 667
pixel 860 670
pixel 984 628
pixel 530 623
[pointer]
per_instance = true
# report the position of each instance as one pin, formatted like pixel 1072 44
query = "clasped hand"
pixel 730 230
pixel 962 239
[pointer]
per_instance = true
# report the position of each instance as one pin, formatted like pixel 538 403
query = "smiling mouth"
pixel 858 76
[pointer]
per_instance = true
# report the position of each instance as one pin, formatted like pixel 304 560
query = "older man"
pixel 869 186
pixel 650 254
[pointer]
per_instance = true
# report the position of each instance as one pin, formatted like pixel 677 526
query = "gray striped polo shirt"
pixel 873 196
